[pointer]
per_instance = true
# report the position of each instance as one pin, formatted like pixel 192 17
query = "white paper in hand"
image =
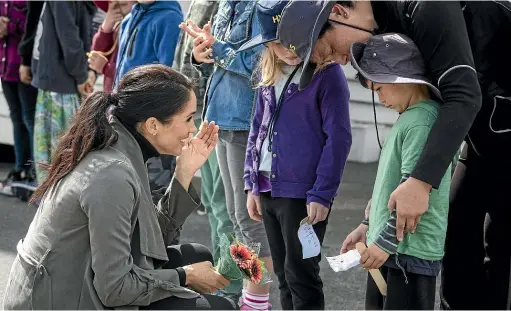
pixel 310 242
pixel 344 261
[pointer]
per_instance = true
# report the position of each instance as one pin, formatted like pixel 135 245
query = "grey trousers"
pixel 231 149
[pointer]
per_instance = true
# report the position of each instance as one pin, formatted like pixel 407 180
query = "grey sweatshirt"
pixel 63 38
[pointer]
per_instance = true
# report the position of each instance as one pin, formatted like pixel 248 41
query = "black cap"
pixel 268 13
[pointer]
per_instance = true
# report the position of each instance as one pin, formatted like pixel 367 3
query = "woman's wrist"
pixel 188 270
pixel 183 177
pixel 182 276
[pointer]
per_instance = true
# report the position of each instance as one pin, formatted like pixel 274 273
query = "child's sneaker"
pixel 24 189
pixel 6 184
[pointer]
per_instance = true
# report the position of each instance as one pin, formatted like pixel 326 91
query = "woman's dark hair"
pixel 361 79
pixel 146 91
pixel 328 25
pixel 346 4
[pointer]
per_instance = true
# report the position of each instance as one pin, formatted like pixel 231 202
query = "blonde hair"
pixel 271 68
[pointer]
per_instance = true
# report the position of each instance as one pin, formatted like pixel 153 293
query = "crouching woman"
pixel 97 241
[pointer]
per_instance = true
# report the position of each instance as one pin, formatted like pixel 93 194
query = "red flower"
pixel 256 270
pixel 241 255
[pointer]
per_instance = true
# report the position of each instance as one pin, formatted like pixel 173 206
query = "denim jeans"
pixel 21 100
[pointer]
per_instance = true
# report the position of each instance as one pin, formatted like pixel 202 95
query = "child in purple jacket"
pixel 297 149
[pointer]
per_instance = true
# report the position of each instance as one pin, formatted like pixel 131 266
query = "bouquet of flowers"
pixel 239 261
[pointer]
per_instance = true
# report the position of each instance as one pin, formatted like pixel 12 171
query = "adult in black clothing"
pixel 26 45
pixel 467 50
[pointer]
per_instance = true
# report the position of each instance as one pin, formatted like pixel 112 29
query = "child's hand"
pixel 202 51
pixel 97 61
pixel 254 207
pixel 373 257
pixel 193 30
pixel 25 74
pixel 203 40
pixel 3 26
pixel 113 15
pixel 357 235
pixel 316 212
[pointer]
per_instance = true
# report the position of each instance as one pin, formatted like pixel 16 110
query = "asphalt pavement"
pixel 344 290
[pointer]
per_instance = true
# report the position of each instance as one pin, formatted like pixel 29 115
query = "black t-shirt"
pixel 439 30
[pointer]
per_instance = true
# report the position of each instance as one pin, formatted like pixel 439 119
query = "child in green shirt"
pixel 392 66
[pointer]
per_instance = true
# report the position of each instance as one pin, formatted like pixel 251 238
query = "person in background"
pixel 26 45
pixel 105 44
pixel 284 199
pixel 230 103
pixel 392 66
pixel 212 187
pixel 98 19
pixel 20 97
pixel 148 35
pixel 466 51
pixel 60 72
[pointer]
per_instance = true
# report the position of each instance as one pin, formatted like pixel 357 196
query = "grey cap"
pixel 390 58
pixel 299 28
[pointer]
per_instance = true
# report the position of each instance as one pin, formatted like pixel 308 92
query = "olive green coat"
pixel 97 239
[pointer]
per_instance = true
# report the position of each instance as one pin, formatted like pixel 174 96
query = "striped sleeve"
pixel 387 239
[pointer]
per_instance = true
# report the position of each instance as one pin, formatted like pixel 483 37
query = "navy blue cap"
pixel 299 28
pixel 268 13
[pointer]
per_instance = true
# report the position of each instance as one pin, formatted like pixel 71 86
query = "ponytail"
pixel 89 131
pixel 148 91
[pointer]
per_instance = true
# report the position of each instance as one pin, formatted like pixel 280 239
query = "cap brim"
pixel 255 41
pixel 308 67
pixel 356 53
